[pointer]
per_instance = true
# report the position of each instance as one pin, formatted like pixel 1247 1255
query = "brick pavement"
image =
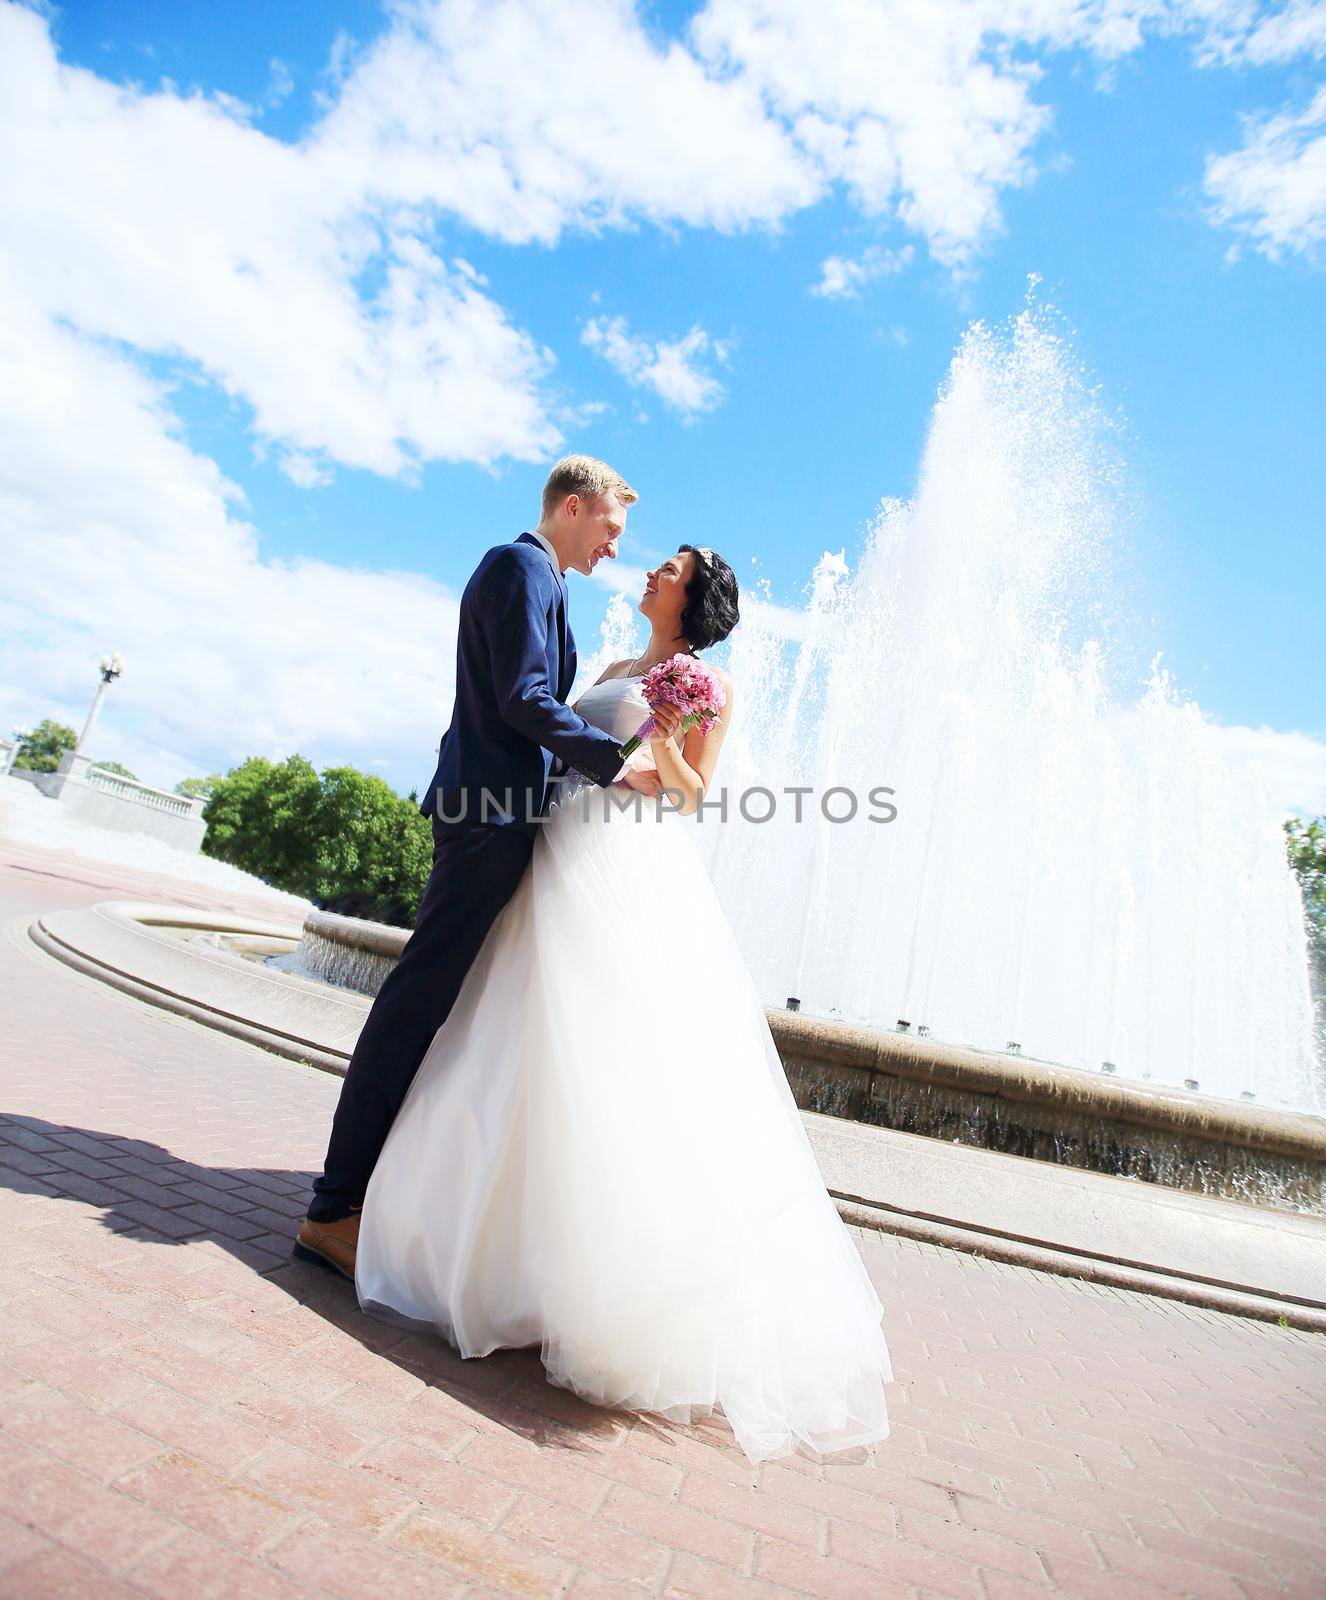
pixel 187 1412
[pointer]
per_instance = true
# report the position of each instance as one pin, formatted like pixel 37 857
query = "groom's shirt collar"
pixel 547 545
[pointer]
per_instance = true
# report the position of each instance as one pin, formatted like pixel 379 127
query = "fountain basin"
pixel 970 1149
pixel 1020 1106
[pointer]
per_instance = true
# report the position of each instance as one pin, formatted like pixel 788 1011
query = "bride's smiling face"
pixel 665 591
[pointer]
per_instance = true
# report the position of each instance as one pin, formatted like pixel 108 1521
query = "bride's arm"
pixel 689 768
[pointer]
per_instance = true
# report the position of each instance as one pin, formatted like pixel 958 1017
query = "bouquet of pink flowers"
pixel 685 683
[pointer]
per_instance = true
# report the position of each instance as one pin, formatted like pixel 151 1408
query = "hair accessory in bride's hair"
pixel 705 554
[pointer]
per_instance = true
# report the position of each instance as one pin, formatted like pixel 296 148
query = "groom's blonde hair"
pixel 588 477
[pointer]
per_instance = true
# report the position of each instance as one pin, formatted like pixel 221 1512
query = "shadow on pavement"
pixel 145 1193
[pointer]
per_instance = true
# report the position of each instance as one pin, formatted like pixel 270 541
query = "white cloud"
pixel 1272 191
pixel 305 471
pixel 119 536
pixel 669 367
pixel 471 108
pixel 164 223
pixel 621 577
pixel 1235 31
pixel 925 111
pixel 1293 764
pixel 843 277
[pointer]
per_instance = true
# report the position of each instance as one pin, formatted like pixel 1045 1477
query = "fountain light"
pixel 903 1027
pixel 1190 1083
pixel 923 1030
pixel 1107 1066
pixel 1013 1047
pixel 793 1004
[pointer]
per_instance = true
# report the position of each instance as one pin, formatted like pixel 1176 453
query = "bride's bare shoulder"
pixel 725 678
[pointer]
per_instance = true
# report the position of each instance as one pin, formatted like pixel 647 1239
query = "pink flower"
pixel 685 683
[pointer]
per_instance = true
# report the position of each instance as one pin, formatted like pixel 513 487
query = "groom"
pixel 515 664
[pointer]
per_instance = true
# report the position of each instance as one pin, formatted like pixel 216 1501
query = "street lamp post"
pixel 74 764
pixel 111 667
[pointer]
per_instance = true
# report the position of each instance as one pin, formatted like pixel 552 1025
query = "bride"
pixel 600 1153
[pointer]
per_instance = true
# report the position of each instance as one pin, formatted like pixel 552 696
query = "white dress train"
pixel 600 1153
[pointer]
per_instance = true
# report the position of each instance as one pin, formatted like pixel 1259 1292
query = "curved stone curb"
pixel 1022 1253
pixel 127 943
pixel 236 1027
pixel 1093 1225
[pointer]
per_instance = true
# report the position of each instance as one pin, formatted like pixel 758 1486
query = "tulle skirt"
pixel 601 1155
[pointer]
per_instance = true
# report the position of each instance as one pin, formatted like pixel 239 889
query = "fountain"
pixel 1082 873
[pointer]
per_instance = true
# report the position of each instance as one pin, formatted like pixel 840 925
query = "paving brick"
pixel 312 1428
pixel 757 1509
pixel 1009 1549
pixel 18 1542
pixel 189 1490
pixel 335 1561
pixel 438 1484
pixel 906 1560
pixel 72 1510
pixel 348 1496
pixel 895 1569
pixel 57 1575
pixel 173 1420
pixel 1137 1562
pixel 533 1566
pixel 71 1431
pixel 101 1381
pixel 682 1526
pixel 202 1569
pixel 569 1536
pixel 168 1361
pixel 691 1577
pixel 521 1464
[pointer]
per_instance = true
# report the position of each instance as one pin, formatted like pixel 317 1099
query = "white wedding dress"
pixel 600 1153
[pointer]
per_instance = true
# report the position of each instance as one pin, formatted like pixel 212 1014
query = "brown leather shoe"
pixel 329 1244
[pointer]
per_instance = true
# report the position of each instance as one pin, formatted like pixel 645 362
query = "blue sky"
pixel 1195 291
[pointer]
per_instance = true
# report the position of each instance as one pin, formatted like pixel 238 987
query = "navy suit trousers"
pixel 475 872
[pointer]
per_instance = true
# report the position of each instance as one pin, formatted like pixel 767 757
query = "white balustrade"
pixel 160 799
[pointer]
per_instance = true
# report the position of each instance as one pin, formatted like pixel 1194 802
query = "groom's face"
pixel 596 527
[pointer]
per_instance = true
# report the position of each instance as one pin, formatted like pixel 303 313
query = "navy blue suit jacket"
pixel 515 664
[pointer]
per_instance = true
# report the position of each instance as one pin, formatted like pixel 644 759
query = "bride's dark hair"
pixel 710 612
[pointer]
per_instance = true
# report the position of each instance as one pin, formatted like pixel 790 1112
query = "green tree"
pixel 347 841
pixel 115 767
pixel 374 849
pixel 1306 842
pixel 197 788
pixel 261 817
pixel 42 749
